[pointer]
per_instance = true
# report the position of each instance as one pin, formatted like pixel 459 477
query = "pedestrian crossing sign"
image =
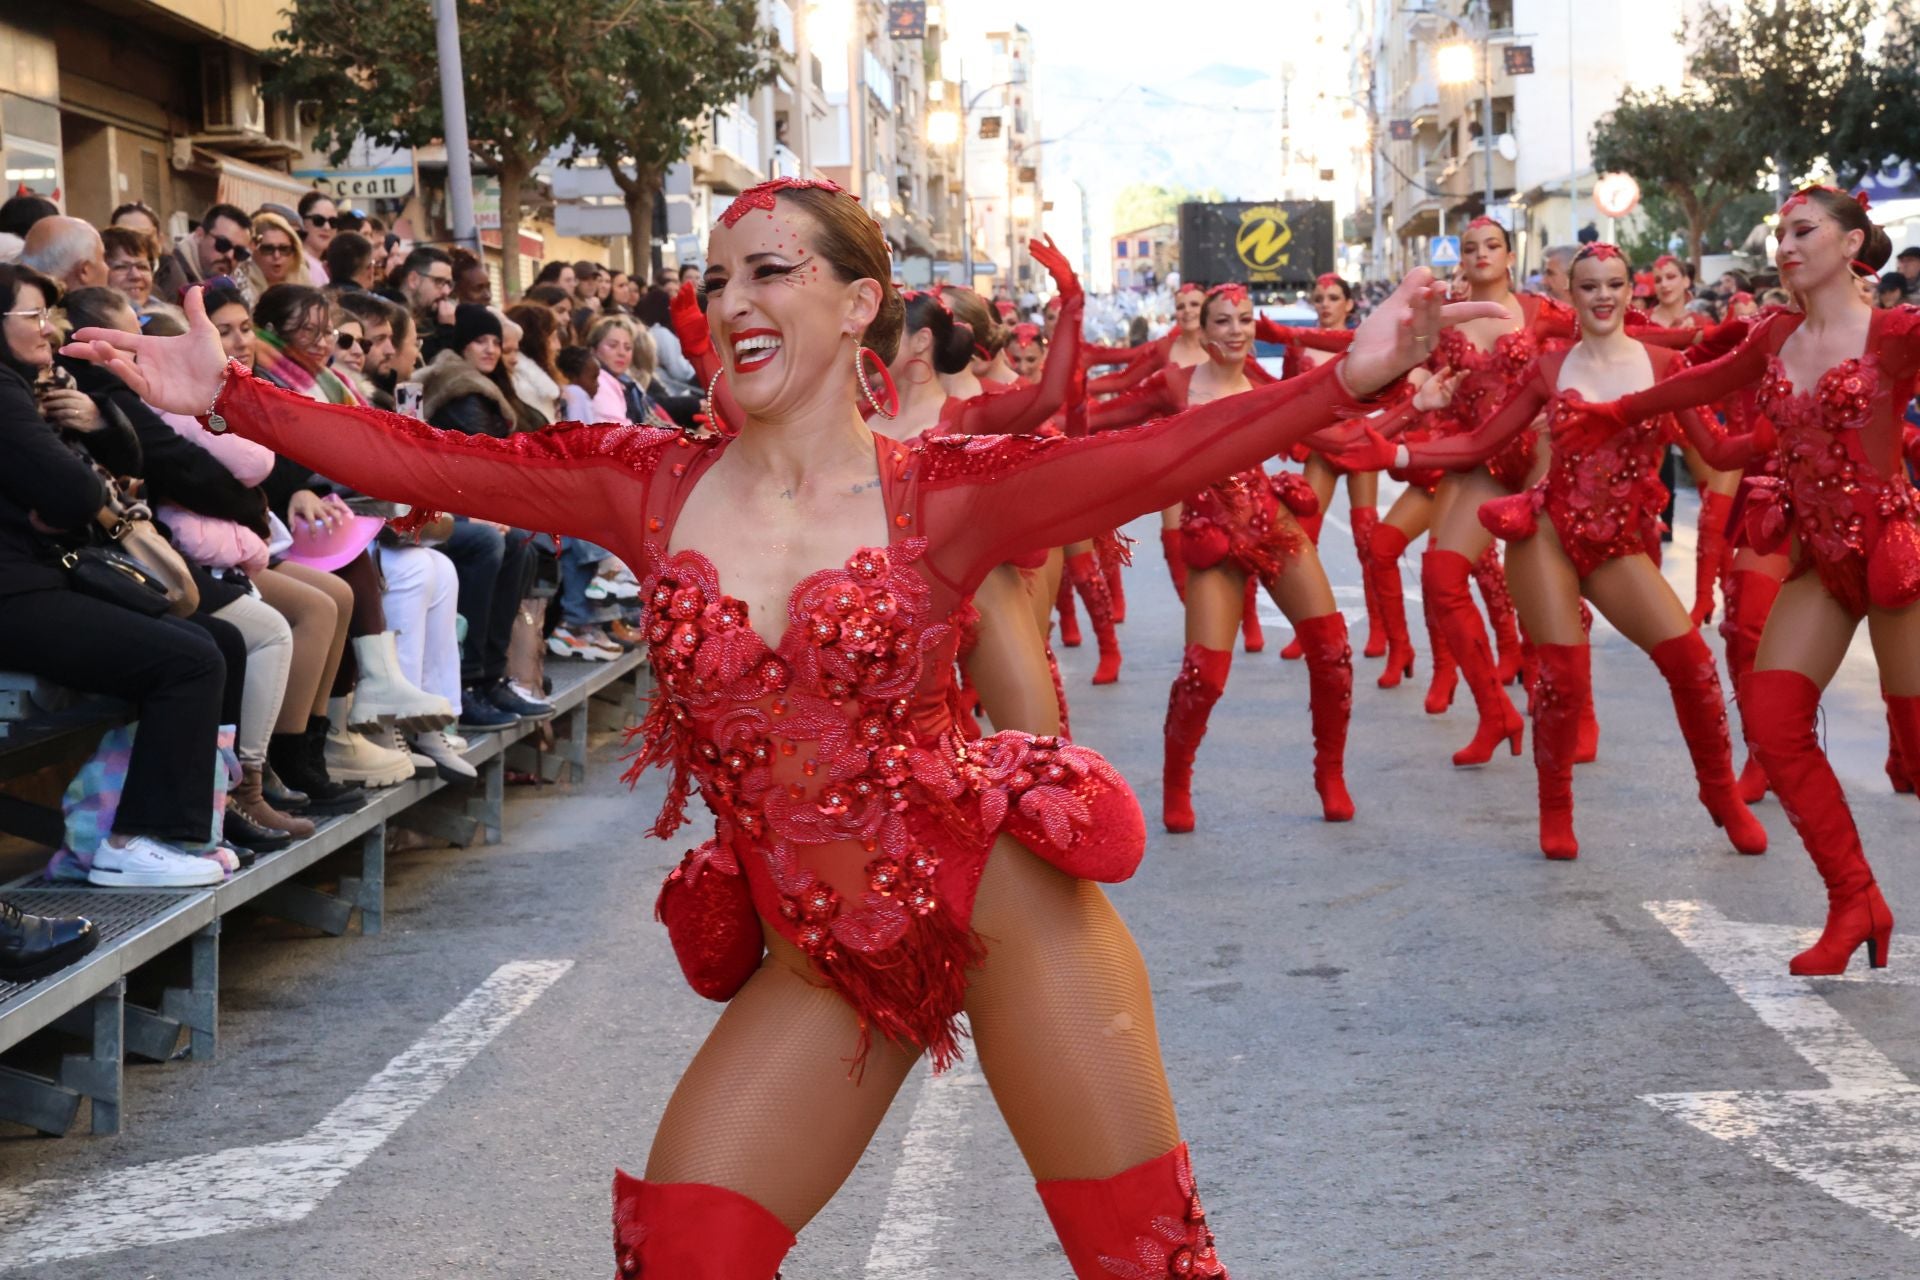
pixel 1444 251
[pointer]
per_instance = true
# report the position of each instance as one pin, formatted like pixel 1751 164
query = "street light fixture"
pixel 943 128
pixel 1023 206
pixel 1453 64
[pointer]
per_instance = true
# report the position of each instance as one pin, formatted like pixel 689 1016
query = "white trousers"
pixel 422 601
pixel 269 659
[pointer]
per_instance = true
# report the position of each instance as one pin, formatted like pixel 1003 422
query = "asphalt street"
pixel 1403 1047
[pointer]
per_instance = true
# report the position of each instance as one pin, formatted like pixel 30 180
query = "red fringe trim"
pixel 913 992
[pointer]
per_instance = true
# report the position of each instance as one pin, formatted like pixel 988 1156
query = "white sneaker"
pixel 353 757
pixel 567 642
pixel 452 765
pixel 457 742
pixel 394 740
pixel 144 863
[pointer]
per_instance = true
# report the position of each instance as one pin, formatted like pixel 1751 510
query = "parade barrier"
pixel 168 940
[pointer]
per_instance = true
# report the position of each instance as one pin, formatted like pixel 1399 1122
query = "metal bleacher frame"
pixel 89 997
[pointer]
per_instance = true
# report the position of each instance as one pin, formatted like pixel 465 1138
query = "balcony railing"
pixel 738 134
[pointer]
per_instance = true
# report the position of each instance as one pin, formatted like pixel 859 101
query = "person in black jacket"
pixel 170 670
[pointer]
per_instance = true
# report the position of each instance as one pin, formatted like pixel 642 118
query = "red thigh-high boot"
pixel 1383 572
pixel 1588 748
pixel 1750 598
pixel 1069 623
pixel 1693 680
pixel 1445 675
pixel 1202 678
pixel 1145 1222
pixel 1365 521
pixel 1778 710
pixel 691 1231
pixel 1253 638
pixel 1710 551
pixel 1110 567
pixel 1564 685
pixel 1491 577
pixel 1903 743
pixel 1084 576
pixel 1176 562
pixel 1443 577
pixel 1296 648
pixel 1330 696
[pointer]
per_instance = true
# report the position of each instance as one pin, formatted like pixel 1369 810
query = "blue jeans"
pixel 578 560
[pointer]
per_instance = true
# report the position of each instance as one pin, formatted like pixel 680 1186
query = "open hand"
pixel 1372 452
pixel 1047 254
pixel 1402 330
pixel 180 374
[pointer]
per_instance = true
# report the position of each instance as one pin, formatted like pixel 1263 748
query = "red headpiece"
pixel 1187 286
pixel 1234 293
pixel 1739 298
pixel 932 294
pixel 1329 278
pixel 1600 251
pixel 1026 335
pixel 761 196
pixel 1799 198
pixel 1643 282
pixel 1666 258
pixel 1483 221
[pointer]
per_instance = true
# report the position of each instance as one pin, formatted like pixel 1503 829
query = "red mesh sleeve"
pixel 984 500
pixel 1723 450
pixel 1094 354
pixel 1702 384
pixel 1026 409
pixel 1471 448
pixel 567 479
pixel 1153 398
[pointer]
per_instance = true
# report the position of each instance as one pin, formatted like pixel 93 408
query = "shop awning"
pixel 249 185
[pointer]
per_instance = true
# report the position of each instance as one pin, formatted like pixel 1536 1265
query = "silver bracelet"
pixel 216 423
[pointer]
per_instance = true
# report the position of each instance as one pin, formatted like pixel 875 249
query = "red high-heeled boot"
pixel 1110 567
pixel 690 1231
pixel 1778 710
pixel 1145 1223
pixel 1710 551
pixel 1687 664
pixel 1365 521
pixel 1176 562
pixel 1903 743
pixel 1253 637
pixel 1202 679
pixel 1330 698
pixel 1069 622
pixel 1562 687
pixel 1383 571
pixel 1084 576
pixel 1443 577
pixel 1491 577
pixel 1444 678
pixel 1750 598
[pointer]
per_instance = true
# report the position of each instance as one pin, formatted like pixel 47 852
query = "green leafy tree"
pixel 1146 204
pixel 1805 90
pixel 1686 147
pixel 685 60
pixel 533 71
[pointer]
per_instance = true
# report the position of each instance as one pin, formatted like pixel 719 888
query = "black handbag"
pixel 106 573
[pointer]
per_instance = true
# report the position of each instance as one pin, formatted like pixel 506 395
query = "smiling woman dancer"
pixel 1835 379
pixel 872 876
pixel 1602 496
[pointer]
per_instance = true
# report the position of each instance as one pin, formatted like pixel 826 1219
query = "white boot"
pixel 352 757
pixel 383 691
pixel 390 736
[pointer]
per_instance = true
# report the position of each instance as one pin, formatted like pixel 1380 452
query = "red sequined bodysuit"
pixel 844 794
pixel 1841 491
pixel 1491 376
pixel 1235 519
pixel 1602 488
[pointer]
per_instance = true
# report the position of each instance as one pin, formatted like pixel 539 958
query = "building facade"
pixel 1145 257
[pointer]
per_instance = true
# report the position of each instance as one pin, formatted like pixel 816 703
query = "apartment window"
pixel 1146 247
pixel 1120 249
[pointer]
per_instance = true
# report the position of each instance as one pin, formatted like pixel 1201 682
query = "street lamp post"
pixel 1454 64
pixel 942 128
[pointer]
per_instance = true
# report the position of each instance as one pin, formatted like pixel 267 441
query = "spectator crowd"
pixel 302 644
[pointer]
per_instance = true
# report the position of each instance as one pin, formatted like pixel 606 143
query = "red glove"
pixel 690 323
pixel 1373 452
pixel 1048 255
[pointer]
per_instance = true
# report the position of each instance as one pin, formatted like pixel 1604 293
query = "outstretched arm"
pixel 1153 398
pixel 1723 450
pixel 1289 336
pixel 1093 354
pixel 1702 384
pixel 1025 409
pixel 1131 376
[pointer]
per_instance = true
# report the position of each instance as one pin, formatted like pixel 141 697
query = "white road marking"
pixel 277 1182
pixel 914 1236
pixel 1858 1139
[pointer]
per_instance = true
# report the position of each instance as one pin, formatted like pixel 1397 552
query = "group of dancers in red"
pixel 862 557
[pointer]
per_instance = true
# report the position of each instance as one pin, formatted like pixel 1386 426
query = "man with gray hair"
pixel 67 251
pixel 1555 265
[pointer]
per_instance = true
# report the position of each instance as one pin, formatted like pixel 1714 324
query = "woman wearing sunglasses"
pixel 276 254
pixel 317 219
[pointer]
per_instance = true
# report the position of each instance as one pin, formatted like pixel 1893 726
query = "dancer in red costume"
pixel 1601 495
pixel 1713 554
pixel 1491 354
pixel 1027 350
pixel 1234 532
pixel 1834 379
pixel 865 855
